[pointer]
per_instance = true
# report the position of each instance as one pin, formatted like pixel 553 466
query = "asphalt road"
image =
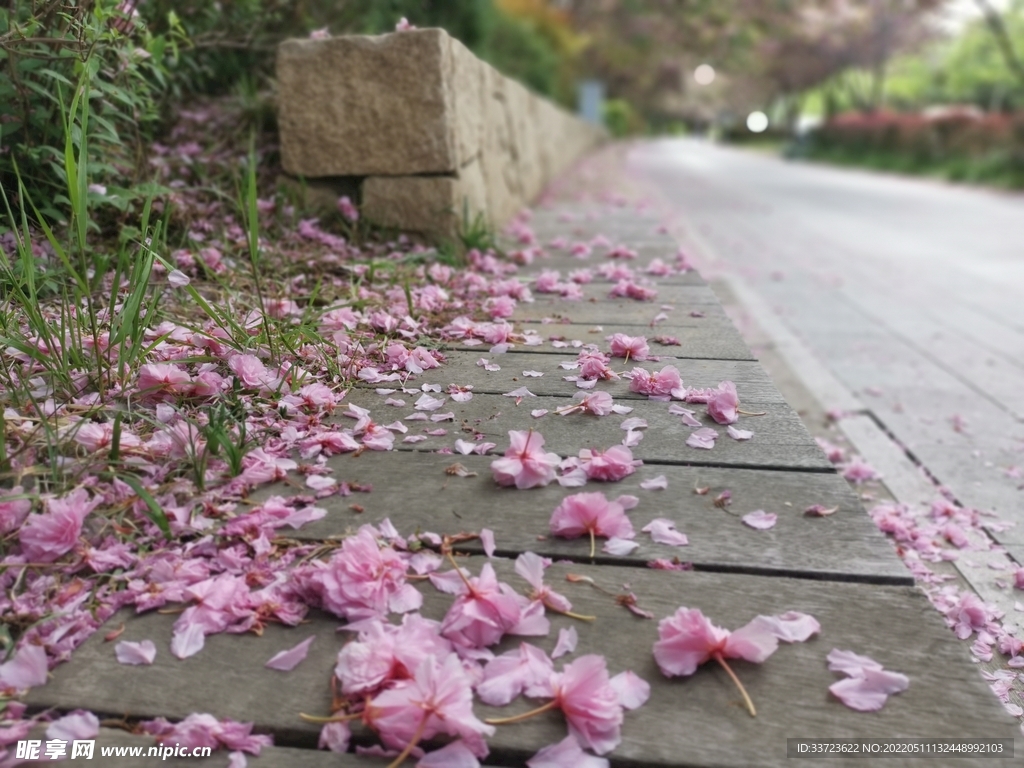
pixel 910 292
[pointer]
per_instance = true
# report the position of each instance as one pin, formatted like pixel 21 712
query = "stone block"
pixel 432 206
pixel 438 133
pixel 361 106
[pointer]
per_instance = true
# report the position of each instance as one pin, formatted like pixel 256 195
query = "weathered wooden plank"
pixel 708 338
pixel 598 306
pixel 566 263
pixel 461 368
pixel 843 546
pixel 271 757
pixel 780 438
pixel 227 677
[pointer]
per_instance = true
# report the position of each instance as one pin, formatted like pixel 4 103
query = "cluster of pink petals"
pixel 629 289
pixel 608 466
pixel 661 384
pixel 47 536
pixel 584 514
pixel 593 702
pixel 868 685
pixel 634 347
pixel 530 567
pixel 364 579
pixel 436 699
pixel 596 403
pixel 594 365
pixel 859 471
pixel 687 639
pixel 525 464
pixel 384 653
pixel 723 403
pixel 485 610
pixel 202 730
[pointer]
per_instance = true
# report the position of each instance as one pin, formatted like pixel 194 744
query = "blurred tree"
pixel 645 49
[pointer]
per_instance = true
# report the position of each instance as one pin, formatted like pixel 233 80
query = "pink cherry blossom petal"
pixel 739 434
pixel 620 547
pixel 850 663
pixel 663 531
pixel 567 640
pixel 427 402
pixel 760 520
pixel 658 483
pixel 75 726
pixel 286 661
pixel 632 689
pixel 143 652
pixel 703 438
pixel 521 392
pixel 452 755
pixel 26 669
pixel 565 754
pixel 869 692
pixel 791 626
pixel 487 540
pixel 633 423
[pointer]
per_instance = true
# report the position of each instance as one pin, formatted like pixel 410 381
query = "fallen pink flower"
pixel 634 347
pixel 47 536
pixel 525 464
pixel 723 404
pixel 591 705
pixel 661 383
pixel 687 639
pixel 436 699
pixel 609 466
pixel 859 471
pixel 592 513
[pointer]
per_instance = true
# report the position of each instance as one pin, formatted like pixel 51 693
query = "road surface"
pixel 909 292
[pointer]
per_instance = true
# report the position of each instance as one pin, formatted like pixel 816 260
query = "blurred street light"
pixel 704 74
pixel 757 122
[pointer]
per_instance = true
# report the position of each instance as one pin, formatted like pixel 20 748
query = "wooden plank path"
pixel 839 569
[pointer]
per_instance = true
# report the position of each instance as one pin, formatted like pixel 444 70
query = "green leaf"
pixel 154 513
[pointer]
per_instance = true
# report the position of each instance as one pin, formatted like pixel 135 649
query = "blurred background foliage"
pixel 797 60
